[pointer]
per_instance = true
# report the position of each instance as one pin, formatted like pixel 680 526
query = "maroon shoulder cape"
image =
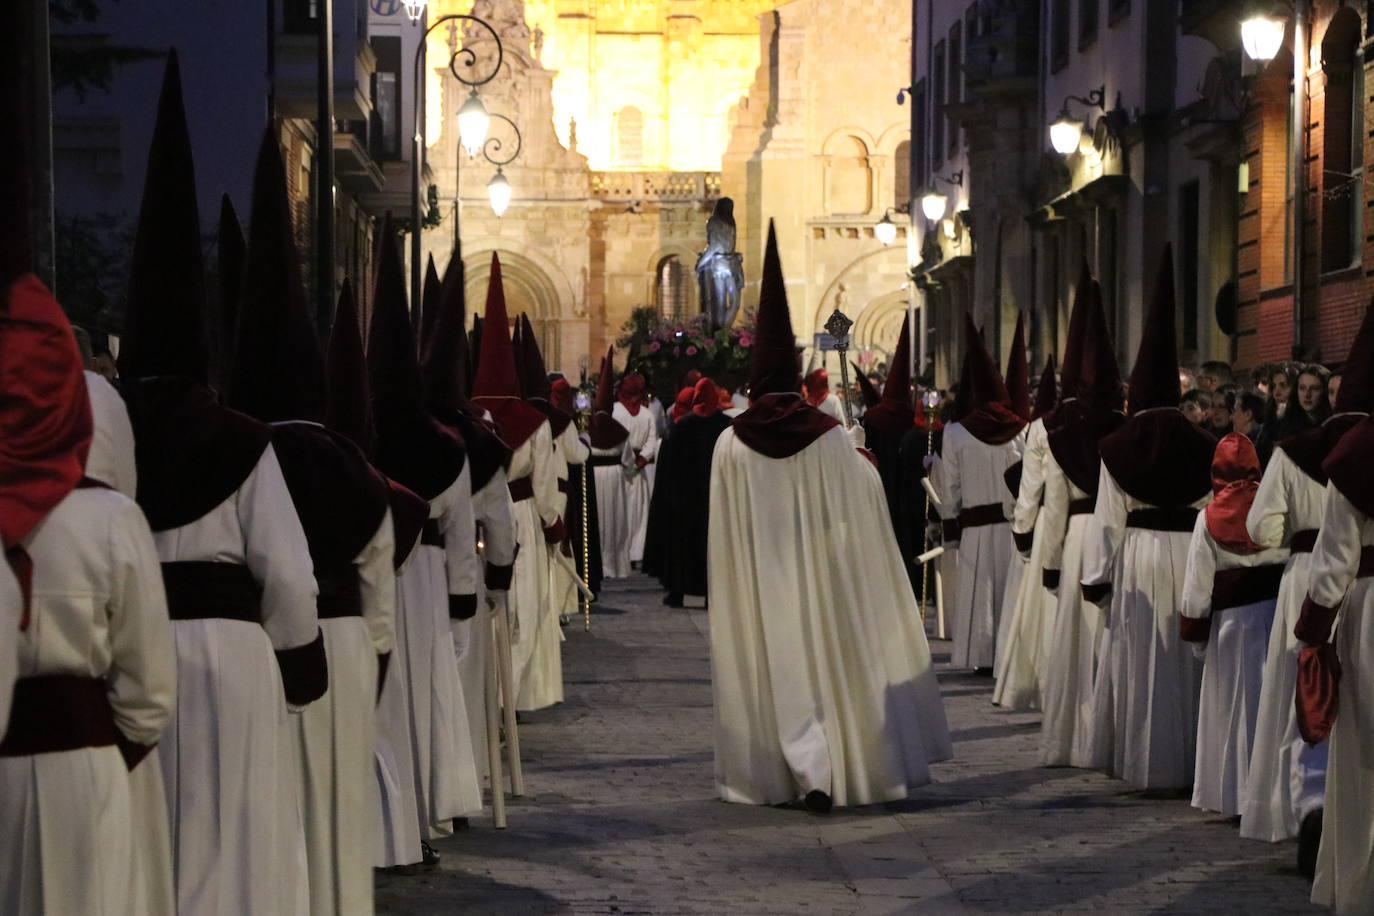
pixel 417 451
pixel 890 416
pixel 409 512
pixel 515 419
pixel 1348 466
pixel 993 423
pixel 191 452
pixel 558 418
pixel 340 498
pixel 780 425
pixel 486 452
pixel 1309 448
pixel 1073 440
pixel 1160 458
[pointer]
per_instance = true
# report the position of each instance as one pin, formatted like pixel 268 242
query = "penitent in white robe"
pixel 1145 699
pixel 1020 655
pixel 831 406
pixel 1074 643
pixel 1287 778
pixel 1345 862
pixel 536 654
pixel 228 757
pixel 98 610
pixel 949 560
pixel 613 508
pixel 335 736
pixel 1231 673
pixel 974 476
pixel 393 748
pixel 563 592
pixel 474 639
pixel 821 674
pixel 642 443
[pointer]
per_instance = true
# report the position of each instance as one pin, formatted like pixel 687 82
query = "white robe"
pixel 1071 658
pixel 563 592
pixel 11 612
pixel 474 639
pixel 112 462
pixel 613 509
pixel 974 477
pixel 536 653
pixel 1020 655
pixel 1145 701
pixel 98 610
pixel 643 442
pixel 400 833
pixel 1231 673
pixel 1345 862
pixel 831 406
pixel 230 767
pixel 335 737
pixel 949 560
pixel 1287 778
pixel 821 674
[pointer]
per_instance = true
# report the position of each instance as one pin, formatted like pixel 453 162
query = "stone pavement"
pixel 622 816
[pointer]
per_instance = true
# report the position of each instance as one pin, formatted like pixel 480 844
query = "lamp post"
pixel 499 189
pixel 933 203
pixel 1067 131
pixel 885 230
pixel 1262 35
pixel 473 121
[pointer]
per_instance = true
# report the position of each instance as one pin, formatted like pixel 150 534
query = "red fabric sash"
pixel 992 424
pixel 1318 695
pixel 780 425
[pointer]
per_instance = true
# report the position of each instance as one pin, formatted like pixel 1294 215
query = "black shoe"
pixel 460 823
pixel 673 599
pixel 429 856
pixel 1309 840
pixel 817 802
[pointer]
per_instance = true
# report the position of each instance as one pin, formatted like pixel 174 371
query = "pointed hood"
pixel 534 374
pixel 412 448
pixel 1357 375
pixel 164 331
pixel 775 367
pixel 1018 370
pixel 429 302
pixel 1154 377
pixel 233 254
pixel 868 391
pixel 1099 375
pixel 497 385
pixel 348 406
pixel 1047 392
pixel 278 370
pixel 990 418
pixel 606 431
pixel 444 366
pixel 895 412
pixel 1073 340
pixel 815 387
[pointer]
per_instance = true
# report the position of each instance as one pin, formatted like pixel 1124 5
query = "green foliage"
pixel 93 268
pixel 83 63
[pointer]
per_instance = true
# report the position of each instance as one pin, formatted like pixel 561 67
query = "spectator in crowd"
pixel 1247 418
pixel 1333 387
pixel 1214 376
pixel 1311 389
pixel 1196 406
pixel 1219 424
pixel 1187 380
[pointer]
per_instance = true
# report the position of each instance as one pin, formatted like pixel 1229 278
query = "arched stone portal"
pixel 529 289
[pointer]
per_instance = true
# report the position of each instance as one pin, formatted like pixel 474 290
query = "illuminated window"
pixel 629 127
pixel 670 288
pixel 901 182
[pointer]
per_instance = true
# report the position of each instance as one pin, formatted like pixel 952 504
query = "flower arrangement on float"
pixel 666 349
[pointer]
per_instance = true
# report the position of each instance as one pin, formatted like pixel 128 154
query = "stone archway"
pixel 528 288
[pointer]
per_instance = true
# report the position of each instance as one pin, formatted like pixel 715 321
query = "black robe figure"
pixel 586 552
pixel 676 542
pixel 886 425
pixel 923 440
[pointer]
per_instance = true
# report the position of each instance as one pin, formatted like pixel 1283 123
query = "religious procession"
pixel 341 598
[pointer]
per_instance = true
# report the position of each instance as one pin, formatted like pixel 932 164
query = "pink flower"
pixel 654 347
pixel 746 339
pixel 691 351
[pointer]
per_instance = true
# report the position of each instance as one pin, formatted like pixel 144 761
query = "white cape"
pixel 822 677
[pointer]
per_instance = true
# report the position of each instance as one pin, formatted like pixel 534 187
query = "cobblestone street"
pixel 622 815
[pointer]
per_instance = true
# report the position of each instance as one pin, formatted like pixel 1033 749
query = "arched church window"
pixel 850 179
pixel 901 182
pixel 630 136
pixel 670 288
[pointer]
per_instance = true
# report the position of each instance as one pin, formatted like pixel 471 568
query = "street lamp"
pixel 1262 36
pixel 414 9
pixel 1067 131
pixel 499 189
pixel 933 203
pixel 473 123
pixel 886 230
pixel 469 60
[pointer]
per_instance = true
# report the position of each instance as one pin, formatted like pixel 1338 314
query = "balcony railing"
pixel 665 187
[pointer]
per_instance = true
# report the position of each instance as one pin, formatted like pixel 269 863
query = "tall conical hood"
pixel 1357 376
pixel 1154 377
pixel 429 302
pixel 445 363
pixel 534 375
pixel 392 368
pixel 1099 375
pixel 775 366
pixel 1073 341
pixel 985 384
pixel 1018 370
pixel 348 407
pixel 474 351
pixel 1047 392
pixel 605 431
pixel 867 390
pixel 16 235
pixel 278 370
pixel 496 376
pixel 233 254
pixel 895 412
pixel 164 331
